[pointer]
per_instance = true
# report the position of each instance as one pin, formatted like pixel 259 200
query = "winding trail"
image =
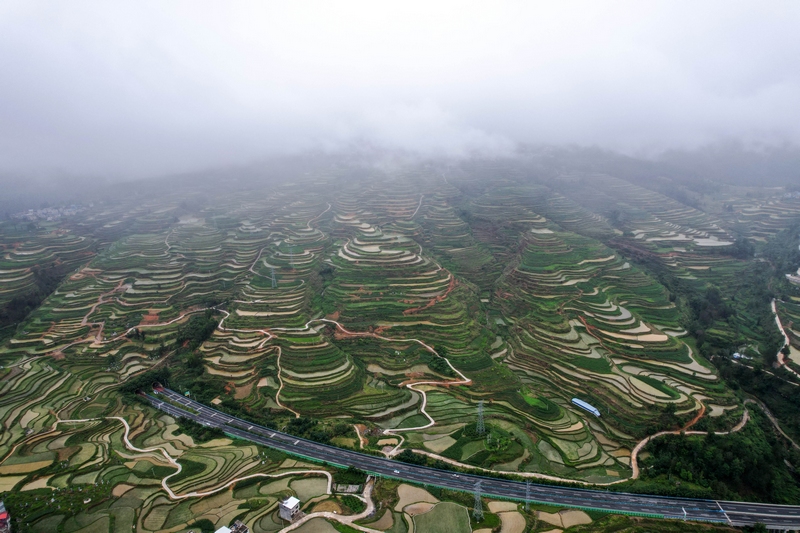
pixel 787 341
pixel 269 336
pixel 774 420
pixel 280 386
pixel 413 385
pixel 173 462
pixel 642 443
pixel 129 330
pixel 349 520
pixel 308 224
pixel 418 206
pixel 410 385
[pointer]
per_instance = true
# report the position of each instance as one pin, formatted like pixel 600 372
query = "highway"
pixel 777 517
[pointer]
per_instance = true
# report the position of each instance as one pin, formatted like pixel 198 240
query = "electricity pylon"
pixel 477 510
pixel 480 428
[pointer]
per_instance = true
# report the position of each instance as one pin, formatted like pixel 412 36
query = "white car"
pixel 396 471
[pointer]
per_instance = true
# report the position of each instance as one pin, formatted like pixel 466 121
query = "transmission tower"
pixel 291 256
pixel 477 510
pixel 274 283
pixel 480 428
pixel 527 495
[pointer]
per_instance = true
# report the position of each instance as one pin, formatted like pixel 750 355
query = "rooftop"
pixel 290 502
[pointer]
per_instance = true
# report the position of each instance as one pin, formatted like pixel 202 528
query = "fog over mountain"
pixel 136 89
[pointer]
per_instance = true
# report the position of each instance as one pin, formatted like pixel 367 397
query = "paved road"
pixel 735 513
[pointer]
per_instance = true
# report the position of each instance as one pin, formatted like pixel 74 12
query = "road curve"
pixel 777 517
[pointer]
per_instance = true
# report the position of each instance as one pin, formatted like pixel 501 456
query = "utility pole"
pixel 480 428
pixel 477 510
pixel 274 283
pixel 291 256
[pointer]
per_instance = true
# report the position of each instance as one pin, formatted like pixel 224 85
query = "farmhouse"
pixel 289 508
pixel 236 527
pixel 586 407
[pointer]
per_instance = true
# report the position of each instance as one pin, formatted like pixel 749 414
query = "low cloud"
pixel 127 89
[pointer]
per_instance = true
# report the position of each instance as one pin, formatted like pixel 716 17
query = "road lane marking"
pixel 596 500
pixel 723 512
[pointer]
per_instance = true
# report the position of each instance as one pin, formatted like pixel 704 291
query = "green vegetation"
pixel 349 476
pixel 45 279
pixel 518 286
pixel 196 331
pixel 199 432
pixel 778 391
pixel 445 517
pixel 354 504
pixel 747 464
pixel 627 524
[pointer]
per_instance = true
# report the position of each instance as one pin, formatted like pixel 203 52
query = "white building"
pixel 289 508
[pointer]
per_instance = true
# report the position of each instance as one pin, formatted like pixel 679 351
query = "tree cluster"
pixel 197 330
pixel 749 463
pixel 46 279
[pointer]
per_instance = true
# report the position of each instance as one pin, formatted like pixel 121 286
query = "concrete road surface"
pixel 777 517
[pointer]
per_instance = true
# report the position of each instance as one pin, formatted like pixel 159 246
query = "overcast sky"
pixel 139 88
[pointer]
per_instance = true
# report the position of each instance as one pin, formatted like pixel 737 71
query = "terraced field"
pixel 761 215
pixel 601 329
pixel 393 304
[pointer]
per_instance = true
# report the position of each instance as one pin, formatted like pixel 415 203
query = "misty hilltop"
pixel 141 89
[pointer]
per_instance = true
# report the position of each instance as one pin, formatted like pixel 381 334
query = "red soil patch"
pixel 150 318
pixel 697 417
pixel 436 300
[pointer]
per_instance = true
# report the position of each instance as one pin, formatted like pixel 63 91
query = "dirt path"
pixel 308 224
pixel 280 387
pixel 125 334
pixel 269 336
pixel 266 332
pixel 787 341
pixel 361 439
pixel 533 475
pixel 772 419
pixel 464 380
pixel 410 385
pixel 418 206
pixel 642 443
pixel 173 462
pixel 366 496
